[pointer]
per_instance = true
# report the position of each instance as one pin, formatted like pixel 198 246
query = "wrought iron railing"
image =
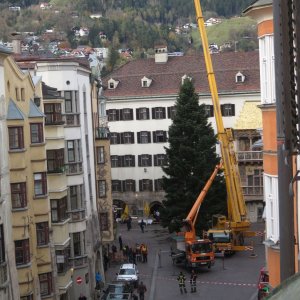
pixel 249 156
pixel 73 168
pixel 253 190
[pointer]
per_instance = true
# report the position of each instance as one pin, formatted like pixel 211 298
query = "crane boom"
pixel 235 200
pixel 190 220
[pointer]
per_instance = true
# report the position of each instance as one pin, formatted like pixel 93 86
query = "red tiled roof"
pixel 167 77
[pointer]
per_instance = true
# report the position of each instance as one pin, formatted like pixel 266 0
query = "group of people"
pixel 181 282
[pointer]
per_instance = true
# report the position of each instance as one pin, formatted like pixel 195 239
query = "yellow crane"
pixel 227 233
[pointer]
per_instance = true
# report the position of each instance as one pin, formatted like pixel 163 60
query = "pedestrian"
pixel 142 290
pixel 144 251
pixel 82 297
pixel 120 242
pixel 128 222
pixel 130 255
pixel 114 251
pixel 181 282
pixel 142 225
pixel 106 262
pixel 134 255
pixel 193 281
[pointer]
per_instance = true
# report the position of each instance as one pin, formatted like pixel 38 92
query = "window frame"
pixel 100 152
pixel 60 209
pixel 46 281
pixel 159 136
pixel 129 185
pixel 142 113
pixel 57 160
pixel 158 183
pixel 146 185
pixel 145 160
pixel 129 158
pixel 114 138
pixel 209 110
pixel 42 233
pixel 21 192
pixel 102 190
pixel 171 112
pixel 53 113
pixel 39 138
pixel 144 137
pixel 43 182
pixel 2 244
pixel 116 186
pixel 126 114
pixel 158 113
pixel 19 133
pixel 160 159
pixel 104 221
pixel 228 110
pixel 24 250
pixel 127 137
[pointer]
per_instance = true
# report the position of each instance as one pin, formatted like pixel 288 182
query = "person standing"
pixel 114 252
pixel 142 225
pixel 142 290
pixel 181 281
pixel 193 281
pixel 120 242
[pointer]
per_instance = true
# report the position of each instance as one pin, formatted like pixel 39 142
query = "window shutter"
pixel 117 115
pixel 154 136
pixel 150 185
pixel 164 112
pixel 141 185
pixel 211 110
pixel 122 138
pixel 155 185
pixel 140 160
pixel 169 112
pixel 133 185
pixel 108 114
pixel 132 137
pixel 233 109
pixel 119 161
pixel 149 160
pixel 139 137
pixel 165 136
pixel 153 112
pixel 155 160
pixel 124 186
pixel 121 114
pixel 148 115
pixel 149 136
pixel 137 111
pixel 118 138
pixel 131 114
pixel 222 110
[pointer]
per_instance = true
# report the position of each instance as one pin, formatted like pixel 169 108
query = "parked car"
pixel 118 287
pixel 115 296
pixel 128 273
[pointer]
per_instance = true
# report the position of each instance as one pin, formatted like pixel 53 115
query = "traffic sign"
pixel 78 280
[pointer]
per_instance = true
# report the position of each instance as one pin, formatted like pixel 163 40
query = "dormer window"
pixel 146 82
pixel 184 77
pixel 112 84
pixel 239 77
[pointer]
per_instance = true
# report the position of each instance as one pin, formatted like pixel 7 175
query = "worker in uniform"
pixel 181 282
pixel 193 281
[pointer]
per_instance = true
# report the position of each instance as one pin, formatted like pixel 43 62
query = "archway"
pixel 155 208
pixel 118 207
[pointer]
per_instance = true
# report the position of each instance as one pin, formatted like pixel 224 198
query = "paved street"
pixel 235 280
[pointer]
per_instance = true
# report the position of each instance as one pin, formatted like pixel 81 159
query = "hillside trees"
pixel 191 160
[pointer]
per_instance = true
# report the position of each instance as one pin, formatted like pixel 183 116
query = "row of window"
pixel 129 185
pixel 143 137
pixel 144 160
pixel 16 135
pixel 143 113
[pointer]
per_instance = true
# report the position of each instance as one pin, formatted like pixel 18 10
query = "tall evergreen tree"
pixel 191 159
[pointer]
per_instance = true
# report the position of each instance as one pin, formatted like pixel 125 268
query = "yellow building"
pixel 28 183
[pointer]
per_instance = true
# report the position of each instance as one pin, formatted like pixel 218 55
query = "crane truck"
pixel 186 247
pixel 227 233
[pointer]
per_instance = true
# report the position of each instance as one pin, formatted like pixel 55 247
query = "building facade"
pixel 140 104
pixel 262 12
pixel 9 287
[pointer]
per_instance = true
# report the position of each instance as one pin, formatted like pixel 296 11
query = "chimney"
pixel 16 42
pixel 161 54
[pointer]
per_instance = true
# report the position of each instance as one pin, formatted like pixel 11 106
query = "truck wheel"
pixel 209 265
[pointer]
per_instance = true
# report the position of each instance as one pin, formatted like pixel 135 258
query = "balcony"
pixel 54 119
pixel 73 168
pixel 72 119
pixel 249 156
pixel 77 214
pixel 3 274
pixel 101 133
pixel 78 261
pixel 253 190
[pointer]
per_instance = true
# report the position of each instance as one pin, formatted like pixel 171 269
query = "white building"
pixel 140 104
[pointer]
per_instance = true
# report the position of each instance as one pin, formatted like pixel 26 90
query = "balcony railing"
pixel 54 119
pixel 72 119
pixel 3 274
pixel 77 214
pixel 248 156
pixel 78 261
pixel 102 133
pixel 73 168
pixel 253 190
